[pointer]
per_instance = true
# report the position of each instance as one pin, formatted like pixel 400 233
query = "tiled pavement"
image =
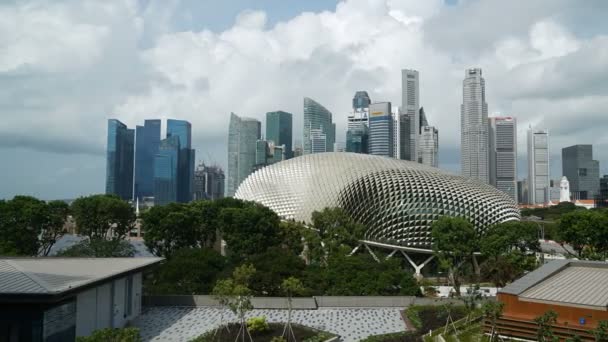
pixel 184 324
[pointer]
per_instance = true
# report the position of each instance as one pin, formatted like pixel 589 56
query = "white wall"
pixel 86 320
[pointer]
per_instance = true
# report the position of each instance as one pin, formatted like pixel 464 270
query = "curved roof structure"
pixel 396 200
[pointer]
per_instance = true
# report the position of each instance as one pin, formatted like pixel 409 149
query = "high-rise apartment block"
pixel 538 166
pixel 474 127
pixel 147 140
pixel 208 182
pixel 279 126
pixel 243 134
pixel 582 171
pixel 381 129
pixel 409 120
pixel 357 133
pixel 429 146
pixel 502 136
pixel 319 132
pixel 119 160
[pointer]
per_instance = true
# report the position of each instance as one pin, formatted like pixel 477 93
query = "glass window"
pixel 129 296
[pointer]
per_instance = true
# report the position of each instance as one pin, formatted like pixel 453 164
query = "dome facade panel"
pixel 396 200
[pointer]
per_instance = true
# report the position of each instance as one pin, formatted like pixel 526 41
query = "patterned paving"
pixel 184 324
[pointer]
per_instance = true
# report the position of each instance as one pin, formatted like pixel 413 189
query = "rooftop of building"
pixel 572 283
pixel 55 276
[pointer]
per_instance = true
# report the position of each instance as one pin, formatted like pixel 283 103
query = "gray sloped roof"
pixel 565 282
pixel 38 276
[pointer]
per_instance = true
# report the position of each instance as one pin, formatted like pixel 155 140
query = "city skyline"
pixel 166 69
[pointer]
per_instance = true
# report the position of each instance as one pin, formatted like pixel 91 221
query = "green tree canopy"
pixel 581 229
pixel 99 248
pixel 169 228
pixel 336 228
pixel 272 266
pixel 103 216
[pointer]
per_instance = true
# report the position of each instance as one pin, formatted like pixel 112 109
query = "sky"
pixel 66 66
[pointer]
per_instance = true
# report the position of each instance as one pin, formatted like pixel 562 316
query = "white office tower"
pixel 538 165
pixel 564 190
pixel 429 146
pixel 502 136
pixel 474 127
pixel 396 132
pixel 381 129
pixel 410 115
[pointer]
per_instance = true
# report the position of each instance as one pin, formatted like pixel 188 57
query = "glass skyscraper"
pixel 381 129
pixel 166 169
pixel 183 131
pixel 582 171
pixel 318 130
pixel 243 134
pixel 146 147
pixel 119 160
pixel 279 130
pixel 357 133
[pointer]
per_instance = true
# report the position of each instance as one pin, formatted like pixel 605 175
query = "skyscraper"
pixel 381 129
pixel 146 147
pixel 166 171
pixel 474 127
pixel 582 171
pixel 279 130
pixel 502 136
pixel 208 182
pixel 119 160
pixel 429 146
pixel 357 133
pixel 183 131
pixel 243 134
pixel 538 166
pixel 410 106
pixel 318 130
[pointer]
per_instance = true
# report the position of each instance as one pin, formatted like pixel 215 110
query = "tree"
pixel 545 324
pixel 169 228
pixel 291 236
pixel 492 311
pixel 58 212
pixel 272 266
pixel 600 333
pixel 248 230
pixel 454 242
pixel 503 269
pixel 336 228
pixel 585 229
pixel 99 248
pixel 190 271
pixel 290 286
pixel 103 216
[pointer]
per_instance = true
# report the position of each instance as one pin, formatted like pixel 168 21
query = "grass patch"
pixel 406 336
pixel 302 333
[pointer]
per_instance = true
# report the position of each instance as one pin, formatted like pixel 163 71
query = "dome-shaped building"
pixel 396 200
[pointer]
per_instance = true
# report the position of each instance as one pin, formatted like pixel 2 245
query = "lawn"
pixel 302 333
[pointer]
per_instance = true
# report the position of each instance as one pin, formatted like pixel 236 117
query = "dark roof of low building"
pixel 565 282
pixel 54 276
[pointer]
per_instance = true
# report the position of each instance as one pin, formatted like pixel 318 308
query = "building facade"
pixel 147 139
pixel 279 126
pixel 357 132
pixel 538 166
pixel 166 171
pixel 243 134
pixel 319 132
pixel 502 136
pixel 474 127
pixel 208 182
pixel 410 122
pixel 183 130
pixel 119 160
pixel 381 129
pixel 582 171
pixel 429 146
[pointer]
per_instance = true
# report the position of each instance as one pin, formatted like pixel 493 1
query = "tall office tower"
pixel 410 106
pixel 208 182
pixel 147 139
pixel 119 160
pixel 429 146
pixel 183 130
pixel 279 130
pixel 474 127
pixel 582 171
pixel 166 171
pixel 396 132
pixel 381 129
pixel 538 166
pixel 262 153
pixel 522 191
pixel 357 132
pixel 277 153
pixel 502 136
pixel 243 134
pixel 318 128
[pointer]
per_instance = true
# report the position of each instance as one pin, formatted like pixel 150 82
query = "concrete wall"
pixel 303 303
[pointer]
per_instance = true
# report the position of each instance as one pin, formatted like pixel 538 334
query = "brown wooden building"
pixel 576 290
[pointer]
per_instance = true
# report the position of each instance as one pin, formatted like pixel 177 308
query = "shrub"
pixel 320 337
pixel 278 339
pixel 112 335
pixel 257 325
